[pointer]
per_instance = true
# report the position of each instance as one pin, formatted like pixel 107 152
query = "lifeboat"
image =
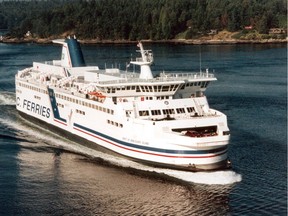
pixel 98 96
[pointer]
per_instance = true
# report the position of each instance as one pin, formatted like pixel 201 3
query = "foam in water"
pixel 210 178
pixel 7 98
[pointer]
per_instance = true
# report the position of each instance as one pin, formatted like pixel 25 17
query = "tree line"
pixel 139 19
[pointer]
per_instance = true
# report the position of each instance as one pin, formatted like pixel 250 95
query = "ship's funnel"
pixel 76 54
pixel 72 55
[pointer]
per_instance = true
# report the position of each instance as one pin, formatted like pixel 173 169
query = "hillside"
pixel 132 20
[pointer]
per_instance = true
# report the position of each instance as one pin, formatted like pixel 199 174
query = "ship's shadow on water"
pixel 202 198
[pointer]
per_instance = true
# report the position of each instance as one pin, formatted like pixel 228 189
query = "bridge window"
pixel 168 111
pixel 180 110
pixel 190 109
pixel 144 113
pixel 157 88
pixel 175 87
pixel 165 88
pixel 203 84
pixel 156 112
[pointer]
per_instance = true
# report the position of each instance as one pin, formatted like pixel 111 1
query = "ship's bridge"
pixel 128 84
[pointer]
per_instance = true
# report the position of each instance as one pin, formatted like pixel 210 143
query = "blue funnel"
pixel 76 54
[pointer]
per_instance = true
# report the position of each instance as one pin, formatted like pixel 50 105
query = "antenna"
pixel 200 59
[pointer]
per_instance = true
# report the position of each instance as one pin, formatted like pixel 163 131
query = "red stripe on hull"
pixel 60 122
pixel 149 153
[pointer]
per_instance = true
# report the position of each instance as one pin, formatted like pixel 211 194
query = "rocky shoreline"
pixel 172 41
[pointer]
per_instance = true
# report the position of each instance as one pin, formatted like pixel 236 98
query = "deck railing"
pixel 164 77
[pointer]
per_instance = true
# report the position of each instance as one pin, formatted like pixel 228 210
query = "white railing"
pixel 164 77
pixel 199 75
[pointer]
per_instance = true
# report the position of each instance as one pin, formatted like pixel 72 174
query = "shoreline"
pixel 172 41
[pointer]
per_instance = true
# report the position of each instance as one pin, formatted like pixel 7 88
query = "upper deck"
pixel 64 75
pixel 128 77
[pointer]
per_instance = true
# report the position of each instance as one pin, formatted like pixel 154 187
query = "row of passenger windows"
pixel 33 88
pixel 115 123
pixel 158 98
pixel 60 105
pixel 166 111
pixel 84 103
pixel 80 112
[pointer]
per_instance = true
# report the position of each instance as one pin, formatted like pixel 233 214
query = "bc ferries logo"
pixel 34 107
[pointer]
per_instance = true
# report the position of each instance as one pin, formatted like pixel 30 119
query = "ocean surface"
pixel 44 174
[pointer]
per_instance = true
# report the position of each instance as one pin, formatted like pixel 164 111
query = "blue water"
pixel 41 174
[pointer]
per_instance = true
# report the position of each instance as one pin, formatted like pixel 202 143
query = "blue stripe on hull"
pixel 147 148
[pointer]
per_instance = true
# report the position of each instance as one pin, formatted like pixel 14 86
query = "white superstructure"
pixel 164 120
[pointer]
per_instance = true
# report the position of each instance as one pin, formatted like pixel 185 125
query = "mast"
pixel 144 62
pixel 200 59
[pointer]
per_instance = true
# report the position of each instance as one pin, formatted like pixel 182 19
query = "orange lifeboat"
pixel 97 94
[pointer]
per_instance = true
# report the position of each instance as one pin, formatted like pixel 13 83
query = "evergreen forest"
pixel 139 19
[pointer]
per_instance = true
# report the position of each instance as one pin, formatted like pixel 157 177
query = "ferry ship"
pixel 162 120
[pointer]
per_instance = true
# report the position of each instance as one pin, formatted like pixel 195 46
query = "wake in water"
pixel 7 98
pixel 27 131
